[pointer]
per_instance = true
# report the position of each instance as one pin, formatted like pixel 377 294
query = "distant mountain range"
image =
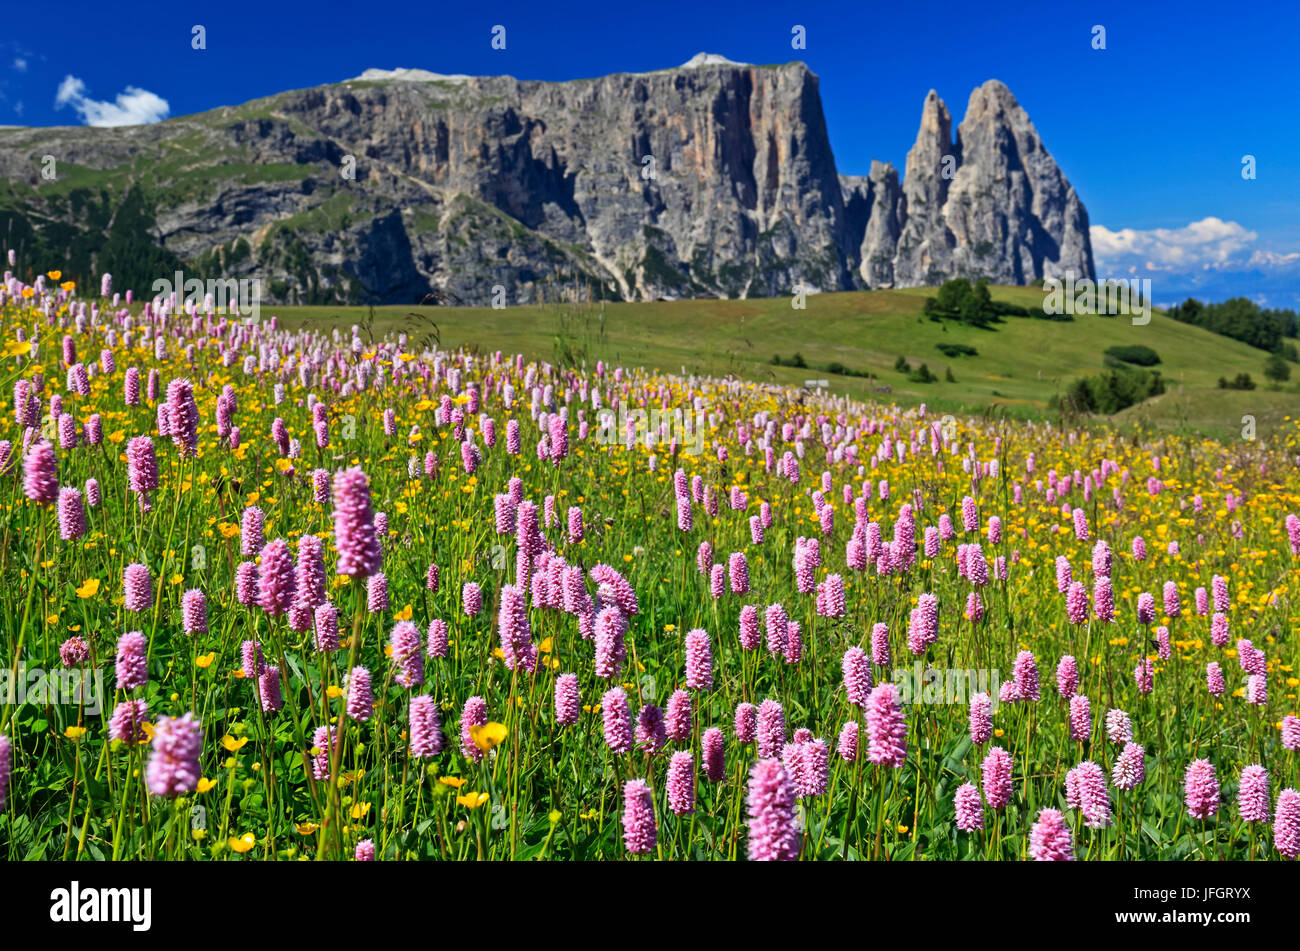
pixel 712 179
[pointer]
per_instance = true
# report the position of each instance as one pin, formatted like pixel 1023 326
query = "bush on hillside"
pixel 1135 354
pixel 1241 381
pixel 1112 391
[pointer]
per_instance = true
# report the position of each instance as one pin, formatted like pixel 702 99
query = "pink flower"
pixel 711 742
pixel 1119 728
pixel 1130 767
pixel 354 528
pixel 650 732
pixel 617 720
pixel 830 597
pixel 407 654
pixel 567 702
pixel 771 729
pixel 981 718
pixel 473 714
pixel 1080 718
pixel 1286 823
pixel 681 783
pixel 856 668
pixel 699 661
pixel 1144 675
pixel 1252 794
pixel 886 727
pixel 1214 678
pixel 1201 789
pixel 1067 677
pixel 360 697
pixel 639 830
pixel 1050 839
pixel 471 599
pixel 1170 591
pixel 426 727
pixel 969 808
pixel 129 718
pixel 40 474
pixel 1291 732
pixel 996 773
pixel 773 831
pixel 1094 802
pixel 276 578
pixel 749 635
pixel 137 587
pixel 1076 602
pixel 880 654
pixel 72 515
pixel 1025 672
pixel 923 624
pixel 847 746
pixel 777 629
pixel 746 723
pixel 174 763
pixel 132 661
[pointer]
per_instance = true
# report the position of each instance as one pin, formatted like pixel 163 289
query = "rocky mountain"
pixel 715 178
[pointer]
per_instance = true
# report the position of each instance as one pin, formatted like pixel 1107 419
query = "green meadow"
pixel 1019 366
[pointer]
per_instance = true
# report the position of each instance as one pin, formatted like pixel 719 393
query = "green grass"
pixel 1021 364
pixel 333 214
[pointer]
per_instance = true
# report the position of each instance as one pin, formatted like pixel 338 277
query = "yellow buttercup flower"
pixel 243 844
pixel 89 588
pixel 472 800
pixel 487 736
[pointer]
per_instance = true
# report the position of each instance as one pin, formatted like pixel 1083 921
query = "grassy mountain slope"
pixel 1020 365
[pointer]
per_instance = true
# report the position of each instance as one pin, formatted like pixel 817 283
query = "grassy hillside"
pixel 1020 365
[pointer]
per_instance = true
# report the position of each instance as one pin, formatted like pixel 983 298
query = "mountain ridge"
pixel 711 179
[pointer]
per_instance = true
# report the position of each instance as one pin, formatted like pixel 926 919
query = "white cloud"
pixel 133 106
pixel 1211 259
pixel 20 64
pixel 1208 243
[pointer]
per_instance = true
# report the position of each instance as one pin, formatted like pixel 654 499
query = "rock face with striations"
pixel 875 212
pixel 991 204
pixel 1012 213
pixel 712 179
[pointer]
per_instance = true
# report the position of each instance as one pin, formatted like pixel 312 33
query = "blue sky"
pixel 1151 131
